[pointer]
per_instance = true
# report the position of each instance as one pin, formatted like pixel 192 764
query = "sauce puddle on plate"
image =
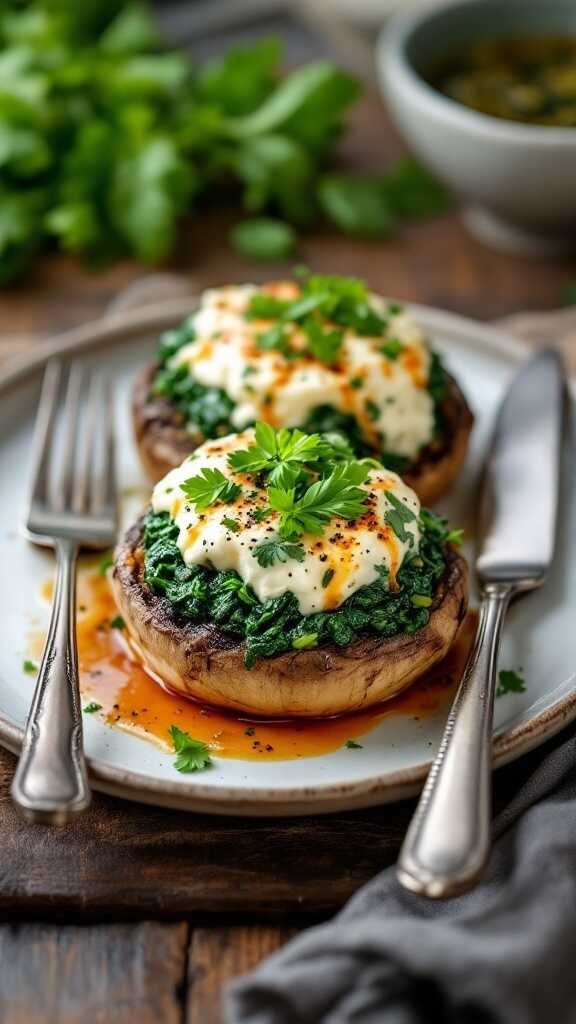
pixel 130 699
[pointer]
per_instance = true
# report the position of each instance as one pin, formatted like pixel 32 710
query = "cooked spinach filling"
pixel 199 594
pixel 210 409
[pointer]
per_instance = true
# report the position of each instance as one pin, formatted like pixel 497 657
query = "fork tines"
pixel 73 492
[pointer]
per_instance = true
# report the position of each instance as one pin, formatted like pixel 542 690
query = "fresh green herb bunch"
pixel 199 594
pixel 108 139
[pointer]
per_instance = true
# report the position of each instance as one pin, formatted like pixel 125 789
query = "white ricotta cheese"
pixel 351 551
pixel 388 396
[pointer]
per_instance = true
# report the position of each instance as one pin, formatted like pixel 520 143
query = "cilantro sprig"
pixel 191 755
pixel 208 487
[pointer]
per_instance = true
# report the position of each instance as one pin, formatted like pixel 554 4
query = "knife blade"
pixel 520 492
pixel 448 841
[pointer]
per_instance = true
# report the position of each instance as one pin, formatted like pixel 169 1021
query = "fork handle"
pixel 448 841
pixel 50 784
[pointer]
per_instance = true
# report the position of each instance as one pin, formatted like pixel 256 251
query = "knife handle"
pixel 448 841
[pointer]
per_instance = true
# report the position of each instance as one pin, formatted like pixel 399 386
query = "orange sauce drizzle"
pixel 130 699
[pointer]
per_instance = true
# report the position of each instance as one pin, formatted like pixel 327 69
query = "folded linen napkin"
pixel 504 953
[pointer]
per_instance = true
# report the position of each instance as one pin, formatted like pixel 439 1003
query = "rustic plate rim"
pixel 389 787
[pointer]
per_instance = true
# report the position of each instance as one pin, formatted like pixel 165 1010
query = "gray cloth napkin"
pixel 502 954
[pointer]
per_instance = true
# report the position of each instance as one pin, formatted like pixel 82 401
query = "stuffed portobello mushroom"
pixel 277 574
pixel 321 355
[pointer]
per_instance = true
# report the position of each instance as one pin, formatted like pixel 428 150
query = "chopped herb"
pixel 269 552
pixel 273 338
pixel 209 487
pixel 398 516
pixel 231 524
pixel 305 641
pixel 117 623
pixel 325 345
pixel 327 577
pixel 391 348
pixel 29 667
pixel 91 708
pixel 372 409
pixel 352 745
pixel 455 537
pixel 356 383
pixel 191 755
pixel 105 563
pixel 509 682
pixel 421 600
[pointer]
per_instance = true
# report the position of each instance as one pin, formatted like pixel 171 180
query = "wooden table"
pixel 69 951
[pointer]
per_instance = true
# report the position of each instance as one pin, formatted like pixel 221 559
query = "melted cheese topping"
pixel 351 550
pixel 388 397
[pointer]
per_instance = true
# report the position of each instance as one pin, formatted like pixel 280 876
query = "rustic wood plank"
pixel 217 957
pixel 74 975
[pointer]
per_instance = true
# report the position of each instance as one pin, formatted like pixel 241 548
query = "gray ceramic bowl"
pixel 517 181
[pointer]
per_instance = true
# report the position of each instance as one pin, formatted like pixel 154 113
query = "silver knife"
pixel 448 841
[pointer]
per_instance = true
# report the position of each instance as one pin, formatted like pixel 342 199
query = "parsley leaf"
pixel 231 524
pixel 509 682
pixel 325 345
pixel 263 239
pixel 29 666
pixel 191 755
pixel 268 552
pixel 209 487
pixel 352 745
pixel 398 516
pixel 117 623
pixel 327 578
pixel 91 708
pixel 391 348
pixel 334 495
pixel 277 448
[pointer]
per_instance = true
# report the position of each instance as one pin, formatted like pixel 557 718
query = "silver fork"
pixel 71 506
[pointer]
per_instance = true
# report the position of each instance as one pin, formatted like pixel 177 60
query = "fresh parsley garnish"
pixel 372 410
pixel 324 344
pixel 269 552
pixel 391 348
pixel 117 622
pixel 29 667
pixel 191 755
pixel 274 449
pixel 352 745
pixel 91 708
pixel 231 524
pixel 398 516
pixel 338 494
pixel 209 487
pixel 509 682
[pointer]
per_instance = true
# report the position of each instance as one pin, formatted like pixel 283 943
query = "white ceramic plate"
pixel 539 634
